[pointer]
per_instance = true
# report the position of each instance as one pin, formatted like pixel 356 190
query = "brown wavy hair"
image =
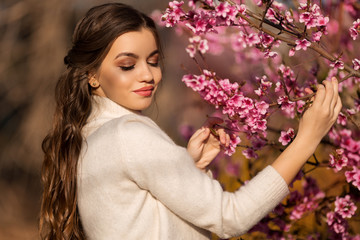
pixel 92 39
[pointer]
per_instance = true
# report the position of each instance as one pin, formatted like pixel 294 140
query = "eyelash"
pixel 127 68
pixel 132 67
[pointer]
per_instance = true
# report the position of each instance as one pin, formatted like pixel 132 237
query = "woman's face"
pixel 130 72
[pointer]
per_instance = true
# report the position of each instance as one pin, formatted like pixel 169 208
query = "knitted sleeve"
pixel 158 165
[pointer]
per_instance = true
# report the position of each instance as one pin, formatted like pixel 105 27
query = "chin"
pixel 141 106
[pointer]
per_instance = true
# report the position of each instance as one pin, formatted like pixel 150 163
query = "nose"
pixel 146 74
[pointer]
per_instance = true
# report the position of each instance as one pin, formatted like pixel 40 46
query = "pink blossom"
pixel 271 15
pixel 270 54
pixel 287 106
pixel 305 17
pixel 192 4
pixel 234 141
pixel 203 46
pixel 356 63
pixel 227 12
pixel 322 21
pixel 266 39
pixel 353 177
pixel 259 92
pixel 336 222
pixel 298 211
pixel 252 39
pixel 278 87
pixel 249 153
pixel 291 52
pixel 222 9
pixel 341 119
pixel 238 41
pixel 195 39
pixel 287 136
pixel 337 64
pixel 308 204
pixel 191 50
pixel 300 106
pixel 197 44
pixel 316 36
pixel 197 83
pixel 303 6
pixel 241 8
pixel 354 29
pixel 339 160
pixel 302 44
pixel 288 17
pixel 175 4
pixel 345 207
pixel 262 107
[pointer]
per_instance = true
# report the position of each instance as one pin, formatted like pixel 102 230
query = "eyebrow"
pixel 129 54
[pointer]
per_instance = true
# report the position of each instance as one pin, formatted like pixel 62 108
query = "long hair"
pixel 92 39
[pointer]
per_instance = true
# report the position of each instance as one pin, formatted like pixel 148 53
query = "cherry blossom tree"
pixel 294 46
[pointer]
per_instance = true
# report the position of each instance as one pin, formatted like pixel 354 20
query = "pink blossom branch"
pixel 316 47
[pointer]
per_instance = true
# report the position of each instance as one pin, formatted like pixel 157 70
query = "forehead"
pixel 138 42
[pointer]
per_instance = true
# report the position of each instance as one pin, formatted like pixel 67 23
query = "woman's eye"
pixel 127 68
pixel 154 64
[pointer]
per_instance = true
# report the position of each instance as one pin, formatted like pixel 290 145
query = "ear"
pixel 94 83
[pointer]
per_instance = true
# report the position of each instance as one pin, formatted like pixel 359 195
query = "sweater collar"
pixel 103 110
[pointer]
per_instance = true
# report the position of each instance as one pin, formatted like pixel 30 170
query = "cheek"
pixel 112 79
pixel 157 75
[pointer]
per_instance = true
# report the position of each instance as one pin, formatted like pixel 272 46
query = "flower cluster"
pixel 347 155
pixel 219 27
pixel 203 21
pixel 226 95
pixel 223 93
pixel 265 85
pixel 344 208
pixel 312 16
pixel 306 202
pixel 173 13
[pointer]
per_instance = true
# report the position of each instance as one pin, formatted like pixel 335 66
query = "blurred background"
pixel 34 38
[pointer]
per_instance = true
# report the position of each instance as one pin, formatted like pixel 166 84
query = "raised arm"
pixel 314 125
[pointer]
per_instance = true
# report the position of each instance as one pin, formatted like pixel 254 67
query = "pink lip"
pixel 144 91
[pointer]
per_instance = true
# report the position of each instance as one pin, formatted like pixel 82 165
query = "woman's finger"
pixel 320 95
pixel 336 92
pixel 338 107
pixel 227 140
pixel 200 136
pixel 329 88
pixel 222 135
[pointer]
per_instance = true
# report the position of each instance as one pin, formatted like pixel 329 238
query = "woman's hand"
pixel 315 123
pixel 203 146
pixel 318 119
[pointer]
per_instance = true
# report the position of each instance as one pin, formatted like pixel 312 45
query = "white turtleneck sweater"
pixel 134 182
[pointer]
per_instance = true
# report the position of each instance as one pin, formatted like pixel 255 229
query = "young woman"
pixel 111 173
